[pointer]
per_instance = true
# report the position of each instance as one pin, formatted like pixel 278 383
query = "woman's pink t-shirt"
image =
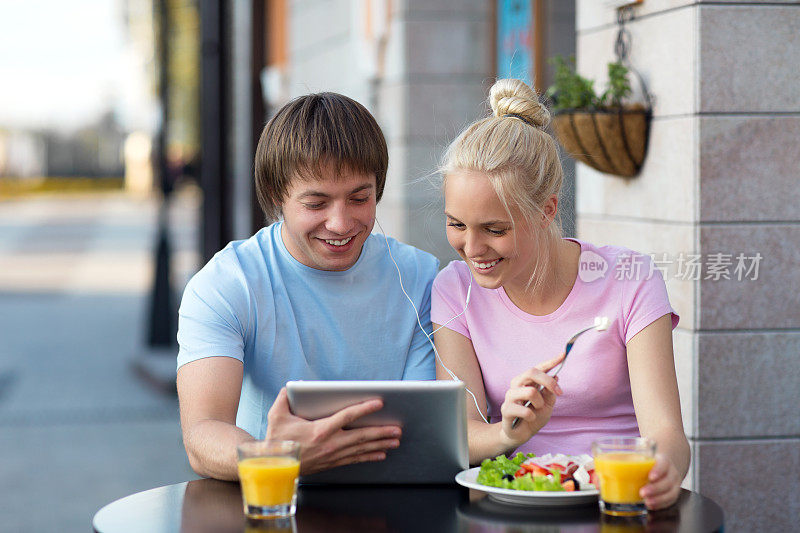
pixel 612 281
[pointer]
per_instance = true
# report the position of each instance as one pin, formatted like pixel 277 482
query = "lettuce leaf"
pixel 493 470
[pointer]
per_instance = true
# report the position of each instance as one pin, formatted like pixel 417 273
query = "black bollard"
pixel 157 365
pixel 162 326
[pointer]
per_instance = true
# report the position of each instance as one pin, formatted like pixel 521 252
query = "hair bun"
pixel 516 97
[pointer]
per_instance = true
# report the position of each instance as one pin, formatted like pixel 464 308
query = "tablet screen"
pixel 432 415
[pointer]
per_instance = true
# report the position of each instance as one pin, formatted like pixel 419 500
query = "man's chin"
pixel 326 262
pixel 336 266
pixel 328 259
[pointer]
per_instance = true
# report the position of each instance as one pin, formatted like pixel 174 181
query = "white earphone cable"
pixel 419 321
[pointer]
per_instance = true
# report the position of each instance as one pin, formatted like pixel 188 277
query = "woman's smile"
pixel 484 267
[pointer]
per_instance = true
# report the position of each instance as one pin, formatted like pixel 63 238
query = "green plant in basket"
pixel 570 90
pixel 603 131
pixel 619 87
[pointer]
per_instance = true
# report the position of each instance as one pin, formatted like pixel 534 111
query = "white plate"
pixel 467 479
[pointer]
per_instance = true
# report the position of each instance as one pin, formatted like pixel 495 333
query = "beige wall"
pixel 721 176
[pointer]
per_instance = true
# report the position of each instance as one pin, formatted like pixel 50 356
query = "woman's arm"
pixel 489 440
pixel 654 388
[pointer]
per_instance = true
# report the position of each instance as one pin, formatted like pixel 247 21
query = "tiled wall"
pixel 721 177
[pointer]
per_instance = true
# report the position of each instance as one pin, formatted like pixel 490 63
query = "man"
pixel 312 296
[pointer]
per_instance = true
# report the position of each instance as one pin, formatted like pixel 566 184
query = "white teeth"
pixel 485 265
pixel 339 243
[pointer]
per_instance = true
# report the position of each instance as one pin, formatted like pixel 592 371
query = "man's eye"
pixel 317 205
pixel 360 200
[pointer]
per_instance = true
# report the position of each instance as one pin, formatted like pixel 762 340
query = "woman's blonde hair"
pixel 516 154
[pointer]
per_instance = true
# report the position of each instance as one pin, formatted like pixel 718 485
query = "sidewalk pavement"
pixel 77 428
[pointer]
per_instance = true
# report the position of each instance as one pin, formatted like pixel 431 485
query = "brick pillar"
pixel 721 177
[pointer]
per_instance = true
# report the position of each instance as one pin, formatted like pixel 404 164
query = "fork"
pixel 600 323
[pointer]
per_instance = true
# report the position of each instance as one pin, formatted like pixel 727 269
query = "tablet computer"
pixel 433 447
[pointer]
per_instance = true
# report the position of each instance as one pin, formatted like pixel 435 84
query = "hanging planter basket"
pixel 613 141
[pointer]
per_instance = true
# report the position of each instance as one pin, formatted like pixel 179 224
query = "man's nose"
pixel 339 220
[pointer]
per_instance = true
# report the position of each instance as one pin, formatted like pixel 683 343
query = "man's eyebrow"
pixel 362 188
pixel 306 194
pixel 321 194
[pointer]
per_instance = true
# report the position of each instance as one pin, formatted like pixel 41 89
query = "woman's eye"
pixel 456 225
pixel 497 232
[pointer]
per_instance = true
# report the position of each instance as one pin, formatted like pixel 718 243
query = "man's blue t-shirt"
pixel 286 321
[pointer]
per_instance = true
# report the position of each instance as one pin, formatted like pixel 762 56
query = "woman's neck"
pixel 552 286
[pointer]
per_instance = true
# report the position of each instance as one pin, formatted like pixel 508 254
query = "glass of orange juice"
pixel 268 472
pixel 622 465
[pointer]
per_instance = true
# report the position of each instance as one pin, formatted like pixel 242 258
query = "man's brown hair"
pixel 309 133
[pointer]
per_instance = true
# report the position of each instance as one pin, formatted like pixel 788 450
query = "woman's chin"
pixel 487 281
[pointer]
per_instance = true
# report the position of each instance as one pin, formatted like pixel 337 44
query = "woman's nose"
pixel 473 245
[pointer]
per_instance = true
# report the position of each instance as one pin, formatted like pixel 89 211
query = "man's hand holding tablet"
pixel 325 443
pixel 354 421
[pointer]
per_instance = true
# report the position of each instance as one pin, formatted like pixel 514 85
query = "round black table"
pixel 208 505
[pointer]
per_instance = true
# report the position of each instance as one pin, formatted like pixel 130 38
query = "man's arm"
pixel 208 391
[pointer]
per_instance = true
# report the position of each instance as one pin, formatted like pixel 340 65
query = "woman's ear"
pixel 549 210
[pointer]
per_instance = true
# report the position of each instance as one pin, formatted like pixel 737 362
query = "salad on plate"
pixel 550 472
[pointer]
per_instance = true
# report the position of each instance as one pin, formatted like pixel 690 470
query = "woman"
pixel 532 291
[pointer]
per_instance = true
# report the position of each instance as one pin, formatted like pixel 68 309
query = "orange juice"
pixel 621 475
pixel 268 481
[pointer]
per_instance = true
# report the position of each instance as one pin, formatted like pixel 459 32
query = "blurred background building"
pixel 421 67
pixel 174 131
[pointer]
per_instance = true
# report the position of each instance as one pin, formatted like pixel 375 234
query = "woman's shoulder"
pixel 613 263
pixel 609 252
pixel 455 272
pixel 452 279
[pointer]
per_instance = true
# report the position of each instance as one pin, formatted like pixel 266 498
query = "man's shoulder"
pixel 406 255
pixel 238 263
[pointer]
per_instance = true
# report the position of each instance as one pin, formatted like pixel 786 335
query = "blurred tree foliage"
pixel 184 78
